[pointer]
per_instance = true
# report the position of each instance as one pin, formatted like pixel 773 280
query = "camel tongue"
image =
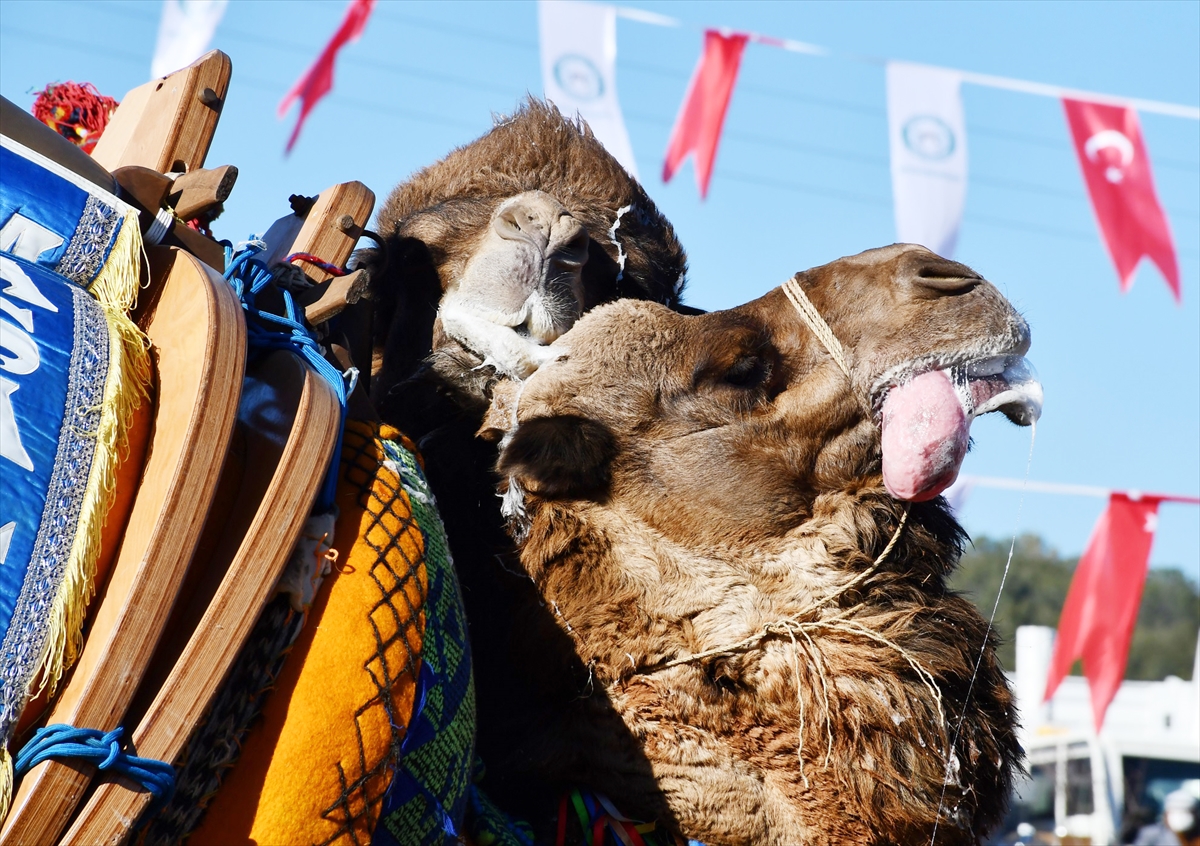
pixel 925 435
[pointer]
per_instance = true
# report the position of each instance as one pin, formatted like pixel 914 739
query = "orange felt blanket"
pixel 315 769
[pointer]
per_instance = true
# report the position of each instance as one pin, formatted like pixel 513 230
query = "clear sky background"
pixel 801 177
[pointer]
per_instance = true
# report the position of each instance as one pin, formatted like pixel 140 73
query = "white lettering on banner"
pixel 23 316
pixel 6 533
pixel 27 238
pixel 17 338
pixel 21 286
pixel 10 437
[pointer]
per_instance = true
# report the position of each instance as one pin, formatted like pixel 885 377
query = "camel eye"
pixel 749 371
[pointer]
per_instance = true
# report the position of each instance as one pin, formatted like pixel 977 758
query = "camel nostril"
pixel 935 284
pixel 569 242
pixel 533 217
pixel 517 224
pixel 934 276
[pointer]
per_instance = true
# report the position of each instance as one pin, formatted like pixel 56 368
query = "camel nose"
pixel 539 219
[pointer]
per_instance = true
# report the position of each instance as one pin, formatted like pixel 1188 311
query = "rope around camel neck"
pixel 790 623
pixel 793 626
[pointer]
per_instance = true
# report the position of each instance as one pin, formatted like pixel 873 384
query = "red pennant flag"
pixel 1102 604
pixel 318 79
pixel 1116 168
pixel 698 124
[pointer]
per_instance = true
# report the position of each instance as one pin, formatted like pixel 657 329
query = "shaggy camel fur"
pixel 698 502
pixel 489 255
pixel 497 249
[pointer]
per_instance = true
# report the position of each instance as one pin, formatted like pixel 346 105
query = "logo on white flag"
pixel 577 76
pixel 929 137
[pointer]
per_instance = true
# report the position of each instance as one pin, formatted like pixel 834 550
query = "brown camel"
pixel 734 627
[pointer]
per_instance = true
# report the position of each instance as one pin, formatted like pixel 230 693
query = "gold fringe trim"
pixel 125 389
pixel 117 283
pixel 6 781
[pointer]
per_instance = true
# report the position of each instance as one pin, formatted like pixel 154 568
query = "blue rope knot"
pixel 104 750
pixel 113 741
pixel 267 331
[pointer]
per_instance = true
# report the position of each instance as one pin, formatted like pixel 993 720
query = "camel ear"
pixel 560 457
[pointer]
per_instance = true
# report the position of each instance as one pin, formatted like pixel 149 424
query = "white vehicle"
pixel 1085 787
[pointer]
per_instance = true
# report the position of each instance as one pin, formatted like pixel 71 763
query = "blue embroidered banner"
pixel 54 363
pixel 53 217
pixel 73 367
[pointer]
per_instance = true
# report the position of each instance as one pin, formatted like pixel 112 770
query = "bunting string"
pixel 1023 86
pixel 1068 489
pixel 926 128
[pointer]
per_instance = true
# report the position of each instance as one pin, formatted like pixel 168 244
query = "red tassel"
pixel 76 111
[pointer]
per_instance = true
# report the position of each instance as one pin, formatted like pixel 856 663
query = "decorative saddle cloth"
pixel 368 733
pixel 73 369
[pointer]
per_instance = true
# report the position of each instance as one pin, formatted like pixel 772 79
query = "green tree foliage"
pixel 1164 640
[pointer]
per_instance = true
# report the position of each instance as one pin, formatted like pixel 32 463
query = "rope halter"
pixel 810 315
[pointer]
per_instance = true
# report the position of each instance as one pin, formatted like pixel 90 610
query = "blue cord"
pixel 266 331
pixel 103 749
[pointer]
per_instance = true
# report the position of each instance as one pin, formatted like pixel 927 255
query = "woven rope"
pixel 816 323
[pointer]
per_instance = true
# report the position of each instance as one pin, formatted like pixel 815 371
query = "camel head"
pixel 701 500
pixel 496 250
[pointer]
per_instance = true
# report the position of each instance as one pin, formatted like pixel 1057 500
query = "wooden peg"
pixel 211 99
pixel 147 188
pixel 199 191
pixel 339 292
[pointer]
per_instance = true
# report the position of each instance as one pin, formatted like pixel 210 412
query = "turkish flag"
pixel 1102 604
pixel 1108 141
pixel 698 124
pixel 318 79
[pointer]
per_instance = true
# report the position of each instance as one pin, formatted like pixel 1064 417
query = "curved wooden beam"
pixel 284 463
pixel 198 347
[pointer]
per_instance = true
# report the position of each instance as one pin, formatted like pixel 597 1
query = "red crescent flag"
pixel 698 124
pixel 318 79
pixel 1102 604
pixel 1116 168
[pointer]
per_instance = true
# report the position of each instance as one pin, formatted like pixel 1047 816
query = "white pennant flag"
pixel 579 69
pixel 186 28
pixel 929 154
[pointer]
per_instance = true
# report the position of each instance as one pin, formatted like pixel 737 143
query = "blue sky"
pixel 801 177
